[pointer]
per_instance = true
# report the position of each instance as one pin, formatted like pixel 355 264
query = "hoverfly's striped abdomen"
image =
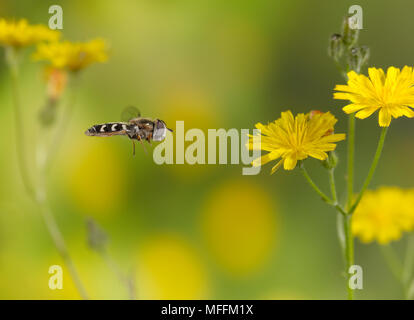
pixel 108 129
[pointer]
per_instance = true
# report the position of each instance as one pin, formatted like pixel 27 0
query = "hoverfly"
pixel 135 128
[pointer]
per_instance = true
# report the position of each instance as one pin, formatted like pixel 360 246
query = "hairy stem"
pixel 53 148
pixel 127 281
pixel 314 186
pixel 351 156
pixel 60 245
pixel 332 185
pixel 371 170
pixel 11 59
pixel 349 240
pixel 38 195
pixel 319 192
pixel 408 268
pixel 349 252
pixel 409 259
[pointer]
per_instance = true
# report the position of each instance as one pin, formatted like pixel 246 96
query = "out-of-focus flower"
pixel 87 176
pixel 392 94
pixel 383 215
pixel 169 268
pixel 186 101
pixel 73 56
pixel 295 138
pixel 56 82
pixel 20 33
pixel 239 226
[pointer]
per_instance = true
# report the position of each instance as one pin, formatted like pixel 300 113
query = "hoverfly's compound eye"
pixel 160 131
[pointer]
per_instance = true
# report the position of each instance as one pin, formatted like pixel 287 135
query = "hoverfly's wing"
pixel 130 113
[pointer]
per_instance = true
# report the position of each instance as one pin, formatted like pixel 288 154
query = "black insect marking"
pixel 107 127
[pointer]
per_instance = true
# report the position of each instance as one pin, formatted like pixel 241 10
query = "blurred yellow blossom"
pixel 20 33
pixel 73 56
pixel 295 138
pixel 56 82
pixel 169 268
pixel 392 94
pixel 384 214
pixel 95 179
pixel 240 227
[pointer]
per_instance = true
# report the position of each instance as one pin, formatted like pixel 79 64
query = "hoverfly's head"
pixel 160 130
pixel 91 131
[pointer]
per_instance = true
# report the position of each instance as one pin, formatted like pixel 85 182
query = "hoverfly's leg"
pixel 133 147
pixel 149 139
pixel 140 140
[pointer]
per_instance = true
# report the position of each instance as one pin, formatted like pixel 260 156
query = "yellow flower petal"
pixel 383 215
pixel 290 162
pixel 295 138
pixel 392 93
pixel 365 113
pixel 73 56
pixel 384 118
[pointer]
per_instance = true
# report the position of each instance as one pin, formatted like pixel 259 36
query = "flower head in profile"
pixel 18 34
pixel 56 80
pixel 295 138
pixel 384 214
pixel 392 94
pixel 73 56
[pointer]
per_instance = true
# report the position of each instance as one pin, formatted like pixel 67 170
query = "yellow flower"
pixel 56 82
pixel 383 215
pixel 21 34
pixel 73 56
pixel 171 268
pixel 392 94
pixel 240 242
pixel 295 138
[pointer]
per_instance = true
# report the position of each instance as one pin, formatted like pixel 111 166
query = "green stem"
pixel 351 155
pixel 349 240
pixel 332 185
pixel 409 258
pixel 39 195
pixel 119 274
pixel 59 131
pixel 11 59
pixel 319 192
pixel 313 185
pixel 410 291
pixel 49 218
pixel 349 252
pixel 393 263
pixel 371 170
pixel 60 245
pixel 408 267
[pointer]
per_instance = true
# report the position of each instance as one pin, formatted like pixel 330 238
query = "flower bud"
pixel 97 238
pixel 330 162
pixel 336 47
pixel 350 35
pixel 365 54
pixel 56 81
pixel 358 57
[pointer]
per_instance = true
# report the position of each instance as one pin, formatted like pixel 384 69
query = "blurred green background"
pixel 198 232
